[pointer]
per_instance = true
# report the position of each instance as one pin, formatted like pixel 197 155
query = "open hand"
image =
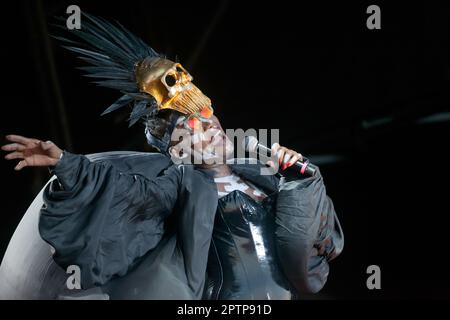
pixel 32 152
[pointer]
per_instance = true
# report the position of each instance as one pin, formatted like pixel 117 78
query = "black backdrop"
pixel 371 106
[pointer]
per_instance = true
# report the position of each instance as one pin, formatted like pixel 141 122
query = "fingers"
pixel 270 163
pixel 275 148
pixel 22 164
pixel 22 140
pixel 290 158
pixel 14 155
pixel 13 147
pixel 20 144
pixel 46 145
pixel 286 157
pixel 293 160
pixel 278 152
pixel 281 153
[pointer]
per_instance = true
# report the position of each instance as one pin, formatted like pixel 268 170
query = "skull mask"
pixel 171 86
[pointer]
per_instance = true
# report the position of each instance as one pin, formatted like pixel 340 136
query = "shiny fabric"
pixel 114 219
pixel 140 227
pixel 243 262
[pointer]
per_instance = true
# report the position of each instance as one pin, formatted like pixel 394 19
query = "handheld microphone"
pixel 251 144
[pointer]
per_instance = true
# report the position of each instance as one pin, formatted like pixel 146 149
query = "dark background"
pixel 371 107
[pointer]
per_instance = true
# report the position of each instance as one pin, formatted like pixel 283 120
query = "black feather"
pixel 121 102
pixel 140 96
pixel 111 51
pixel 120 85
pixel 139 110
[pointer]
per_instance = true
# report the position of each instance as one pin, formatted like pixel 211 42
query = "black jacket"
pixel 137 218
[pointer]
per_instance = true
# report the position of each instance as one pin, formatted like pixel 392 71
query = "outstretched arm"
pixel 98 216
pixel 31 152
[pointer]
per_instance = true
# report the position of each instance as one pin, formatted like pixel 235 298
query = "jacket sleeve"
pixel 103 220
pixel 308 233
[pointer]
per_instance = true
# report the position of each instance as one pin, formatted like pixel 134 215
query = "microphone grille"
pixel 250 143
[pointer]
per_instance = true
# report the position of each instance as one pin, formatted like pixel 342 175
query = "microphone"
pixel 251 144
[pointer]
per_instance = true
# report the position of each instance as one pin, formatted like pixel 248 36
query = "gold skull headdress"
pixel 159 89
pixel 171 86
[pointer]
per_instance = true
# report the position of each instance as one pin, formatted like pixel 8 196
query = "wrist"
pixel 55 161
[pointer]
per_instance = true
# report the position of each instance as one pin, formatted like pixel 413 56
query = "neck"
pixel 221 170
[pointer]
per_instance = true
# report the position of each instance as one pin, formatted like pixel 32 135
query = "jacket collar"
pixel 252 172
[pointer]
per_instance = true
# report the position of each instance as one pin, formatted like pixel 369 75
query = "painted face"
pixel 201 141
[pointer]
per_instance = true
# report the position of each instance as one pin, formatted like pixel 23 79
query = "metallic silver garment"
pixel 242 262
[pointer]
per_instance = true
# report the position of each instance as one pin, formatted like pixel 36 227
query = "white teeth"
pixel 197 137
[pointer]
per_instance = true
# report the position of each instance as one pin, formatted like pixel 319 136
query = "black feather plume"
pixel 112 52
pixel 139 110
pixel 121 102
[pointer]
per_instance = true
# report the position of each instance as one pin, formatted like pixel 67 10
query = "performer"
pixel 146 227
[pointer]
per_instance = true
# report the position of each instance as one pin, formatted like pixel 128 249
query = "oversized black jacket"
pixel 138 218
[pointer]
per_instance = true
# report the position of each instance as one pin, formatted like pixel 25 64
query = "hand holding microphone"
pixel 287 158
